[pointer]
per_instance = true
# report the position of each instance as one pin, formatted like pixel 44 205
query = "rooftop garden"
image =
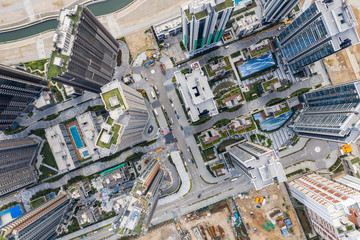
pixel 106 98
pixel 224 5
pixel 209 154
pixel 229 94
pixel 53 70
pixel 222 86
pixel 222 146
pixel 283 110
pixel 188 14
pixel 75 18
pixel 260 51
pixel 216 60
pixel 210 144
pixel 115 131
pixel 201 15
pixel 248 129
pixel 253 93
pixel 266 85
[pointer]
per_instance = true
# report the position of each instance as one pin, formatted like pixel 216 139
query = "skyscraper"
pixel 40 223
pixel 321 30
pixel 85 54
pixel 204 22
pixel 331 113
pixel 17 90
pixel 274 10
pixel 333 208
pixel 128 116
pixel 16 164
pixel 260 164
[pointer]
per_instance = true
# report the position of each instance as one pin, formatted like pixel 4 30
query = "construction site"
pixel 268 214
pixel 214 222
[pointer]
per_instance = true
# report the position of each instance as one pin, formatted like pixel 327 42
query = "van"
pixel 153 95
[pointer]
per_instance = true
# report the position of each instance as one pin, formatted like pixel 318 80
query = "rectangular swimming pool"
pixel 76 136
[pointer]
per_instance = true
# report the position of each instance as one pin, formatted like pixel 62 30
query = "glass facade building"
pixel 321 30
pixel 17 90
pixel 330 113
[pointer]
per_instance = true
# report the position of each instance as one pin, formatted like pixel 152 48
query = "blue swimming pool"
pixel 273 123
pixel 76 136
pixel 15 212
pixel 86 153
pixel 256 65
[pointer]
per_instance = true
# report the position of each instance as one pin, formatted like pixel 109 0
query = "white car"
pixel 226 47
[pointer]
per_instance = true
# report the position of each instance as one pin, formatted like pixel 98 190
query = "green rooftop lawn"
pixel 106 96
pixel 110 121
pixel 75 18
pixel 188 14
pixel 267 84
pixel 201 15
pixel 284 110
pixel 53 70
pixel 115 130
pixel 224 5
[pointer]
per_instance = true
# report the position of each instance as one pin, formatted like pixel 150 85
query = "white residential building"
pixel 260 164
pixel 204 22
pixel 333 208
pixel 167 28
pixel 274 10
pixel 196 93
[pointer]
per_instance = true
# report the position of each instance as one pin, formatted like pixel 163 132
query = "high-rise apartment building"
pixel 128 116
pixel 333 208
pixel 17 90
pixel 331 113
pixel 40 223
pixel 16 164
pixel 326 27
pixel 85 54
pixel 204 22
pixel 260 164
pixel 274 10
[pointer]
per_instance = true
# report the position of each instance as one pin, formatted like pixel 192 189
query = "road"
pixel 210 190
pixel 89 229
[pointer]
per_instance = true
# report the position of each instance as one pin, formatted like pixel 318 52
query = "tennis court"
pixel 256 65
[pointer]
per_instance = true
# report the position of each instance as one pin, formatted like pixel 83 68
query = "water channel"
pixel 97 8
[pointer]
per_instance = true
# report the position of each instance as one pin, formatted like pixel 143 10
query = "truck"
pixel 256 200
pixel 256 231
pixel 261 199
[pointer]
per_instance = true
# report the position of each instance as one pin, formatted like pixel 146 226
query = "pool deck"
pixel 68 126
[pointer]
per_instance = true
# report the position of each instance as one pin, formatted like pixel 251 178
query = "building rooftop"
pixel 59 148
pixel 196 93
pixel 108 138
pixel 259 163
pixel 63 39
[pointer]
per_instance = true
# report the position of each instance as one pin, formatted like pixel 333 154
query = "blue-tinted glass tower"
pixel 323 29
